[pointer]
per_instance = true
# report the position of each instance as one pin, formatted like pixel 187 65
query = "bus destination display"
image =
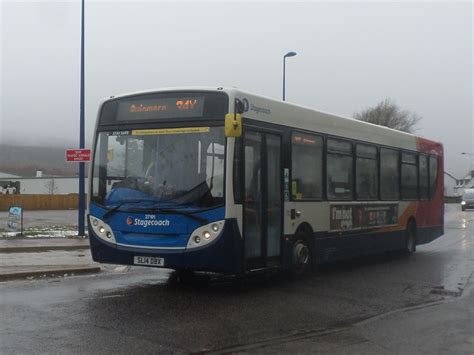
pixel 177 107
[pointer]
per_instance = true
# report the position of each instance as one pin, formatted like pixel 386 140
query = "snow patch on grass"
pixel 55 231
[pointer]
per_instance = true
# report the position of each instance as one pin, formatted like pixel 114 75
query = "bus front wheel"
pixel 301 255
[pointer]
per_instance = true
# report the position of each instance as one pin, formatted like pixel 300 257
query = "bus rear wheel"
pixel 301 255
pixel 410 238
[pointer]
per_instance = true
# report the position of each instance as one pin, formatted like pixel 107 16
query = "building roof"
pixel 7 176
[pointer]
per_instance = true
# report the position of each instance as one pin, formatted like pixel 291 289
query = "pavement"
pixel 27 258
pixel 47 251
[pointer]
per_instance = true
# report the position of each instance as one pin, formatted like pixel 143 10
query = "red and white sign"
pixel 78 155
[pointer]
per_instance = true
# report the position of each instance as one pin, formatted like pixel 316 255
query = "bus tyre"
pixel 301 255
pixel 410 238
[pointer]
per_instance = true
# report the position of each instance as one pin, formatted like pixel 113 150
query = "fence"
pixel 40 202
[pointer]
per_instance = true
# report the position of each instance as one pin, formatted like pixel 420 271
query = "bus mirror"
pixel 233 125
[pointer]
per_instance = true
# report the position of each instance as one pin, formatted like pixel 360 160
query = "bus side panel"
pixel 428 234
pixel 349 245
pixel 429 215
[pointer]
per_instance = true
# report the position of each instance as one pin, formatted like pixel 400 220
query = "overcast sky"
pixel 351 55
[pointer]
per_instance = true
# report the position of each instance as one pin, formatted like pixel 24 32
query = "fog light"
pixel 109 235
pixel 206 235
pixel 197 239
pixel 215 227
pixel 95 222
pixel 101 229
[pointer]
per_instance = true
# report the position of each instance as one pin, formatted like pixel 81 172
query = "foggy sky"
pixel 351 55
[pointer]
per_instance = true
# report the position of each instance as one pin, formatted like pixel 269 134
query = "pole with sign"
pixel 81 136
pixel 80 156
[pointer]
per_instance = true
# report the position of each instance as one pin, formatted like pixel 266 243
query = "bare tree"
pixel 387 113
pixel 51 187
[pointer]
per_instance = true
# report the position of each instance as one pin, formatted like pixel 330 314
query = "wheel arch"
pixel 412 222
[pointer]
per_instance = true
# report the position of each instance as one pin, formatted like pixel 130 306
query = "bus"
pixel 222 180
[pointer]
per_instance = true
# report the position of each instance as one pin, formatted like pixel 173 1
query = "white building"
pixel 42 185
pixel 466 183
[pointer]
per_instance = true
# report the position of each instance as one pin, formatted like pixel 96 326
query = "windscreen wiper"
pixel 113 210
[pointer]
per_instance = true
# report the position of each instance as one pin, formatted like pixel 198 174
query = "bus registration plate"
pixel 148 260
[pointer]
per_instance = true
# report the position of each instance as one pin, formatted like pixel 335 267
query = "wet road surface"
pixel 148 311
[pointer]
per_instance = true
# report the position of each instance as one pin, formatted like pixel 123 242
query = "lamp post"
pixel 289 54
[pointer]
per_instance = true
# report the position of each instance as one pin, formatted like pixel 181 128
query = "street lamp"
pixel 289 54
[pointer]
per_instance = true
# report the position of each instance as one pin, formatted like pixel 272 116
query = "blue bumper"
pixel 223 255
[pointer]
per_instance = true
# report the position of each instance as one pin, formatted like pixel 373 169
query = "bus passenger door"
pixel 262 218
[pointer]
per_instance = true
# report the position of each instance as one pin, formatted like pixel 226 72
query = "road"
pixel 383 304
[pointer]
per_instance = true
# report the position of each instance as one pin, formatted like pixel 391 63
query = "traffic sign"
pixel 78 155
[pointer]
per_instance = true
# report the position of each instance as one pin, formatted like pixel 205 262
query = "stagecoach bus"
pixel 222 180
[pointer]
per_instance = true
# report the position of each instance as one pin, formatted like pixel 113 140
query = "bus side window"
pixel 306 166
pixel 339 170
pixel 366 172
pixel 237 176
pixel 389 174
pixel 433 175
pixel 424 177
pixel 409 176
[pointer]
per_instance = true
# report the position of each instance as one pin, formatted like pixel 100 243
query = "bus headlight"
pixel 102 229
pixel 205 234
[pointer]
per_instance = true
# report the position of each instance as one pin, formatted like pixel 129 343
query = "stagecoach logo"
pixel 255 108
pixel 150 220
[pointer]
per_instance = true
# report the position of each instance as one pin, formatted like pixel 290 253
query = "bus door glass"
pixel 262 199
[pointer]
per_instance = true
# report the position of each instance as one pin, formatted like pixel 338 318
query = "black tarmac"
pixel 372 305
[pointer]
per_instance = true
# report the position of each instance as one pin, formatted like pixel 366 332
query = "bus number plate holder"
pixel 148 261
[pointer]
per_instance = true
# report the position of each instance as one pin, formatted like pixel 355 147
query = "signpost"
pixel 78 155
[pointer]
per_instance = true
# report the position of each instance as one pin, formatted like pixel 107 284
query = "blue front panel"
pixel 155 230
pixel 167 235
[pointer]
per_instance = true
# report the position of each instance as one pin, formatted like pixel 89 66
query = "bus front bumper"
pixel 222 255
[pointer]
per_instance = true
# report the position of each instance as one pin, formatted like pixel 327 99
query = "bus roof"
pixel 275 111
